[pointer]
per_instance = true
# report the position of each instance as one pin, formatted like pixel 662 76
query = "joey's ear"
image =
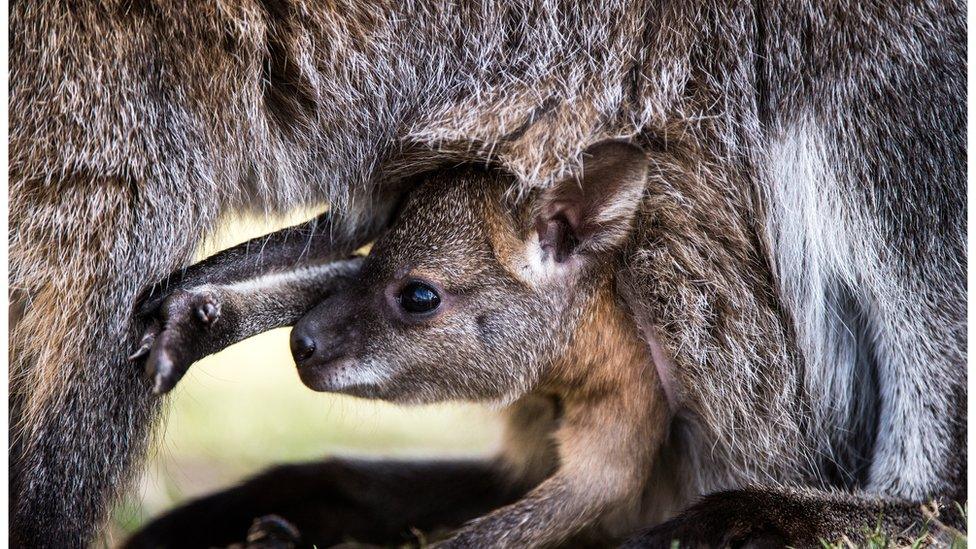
pixel 593 213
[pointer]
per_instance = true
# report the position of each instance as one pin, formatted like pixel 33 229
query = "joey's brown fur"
pixel 528 316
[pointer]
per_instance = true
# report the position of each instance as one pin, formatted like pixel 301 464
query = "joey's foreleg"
pixel 325 238
pixel 193 323
pixel 606 451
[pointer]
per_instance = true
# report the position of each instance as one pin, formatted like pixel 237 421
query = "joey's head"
pixel 473 293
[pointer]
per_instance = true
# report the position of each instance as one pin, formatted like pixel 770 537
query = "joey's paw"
pixel 272 532
pixel 178 334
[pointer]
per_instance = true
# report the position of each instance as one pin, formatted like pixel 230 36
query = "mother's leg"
pixel 80 249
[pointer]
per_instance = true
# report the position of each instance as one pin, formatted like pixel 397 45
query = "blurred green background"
pixel 244 409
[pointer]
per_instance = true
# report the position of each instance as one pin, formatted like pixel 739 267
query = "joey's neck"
pixel 605 353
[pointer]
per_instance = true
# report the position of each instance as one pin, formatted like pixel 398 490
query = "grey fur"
pixel 133 126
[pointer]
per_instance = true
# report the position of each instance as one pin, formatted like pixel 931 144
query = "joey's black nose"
pixel 302 347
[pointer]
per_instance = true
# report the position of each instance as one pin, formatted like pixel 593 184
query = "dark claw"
pixel 146 343
pixel 163 367
pixel 164 377
pixel 272 532
pixel 144 347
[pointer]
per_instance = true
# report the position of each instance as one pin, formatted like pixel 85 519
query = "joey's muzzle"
pixel 324 334
pixel 323 344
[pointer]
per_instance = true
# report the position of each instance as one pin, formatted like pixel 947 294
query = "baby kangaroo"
pixel 474 294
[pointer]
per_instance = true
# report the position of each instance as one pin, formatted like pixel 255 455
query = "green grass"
pixel 933 534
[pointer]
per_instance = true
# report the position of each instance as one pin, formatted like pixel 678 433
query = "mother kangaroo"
pixel 813 179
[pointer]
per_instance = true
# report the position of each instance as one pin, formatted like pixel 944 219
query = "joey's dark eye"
pixel 417 297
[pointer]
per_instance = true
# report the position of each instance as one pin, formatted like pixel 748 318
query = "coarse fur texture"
pixel 501 331
pixel 804 256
